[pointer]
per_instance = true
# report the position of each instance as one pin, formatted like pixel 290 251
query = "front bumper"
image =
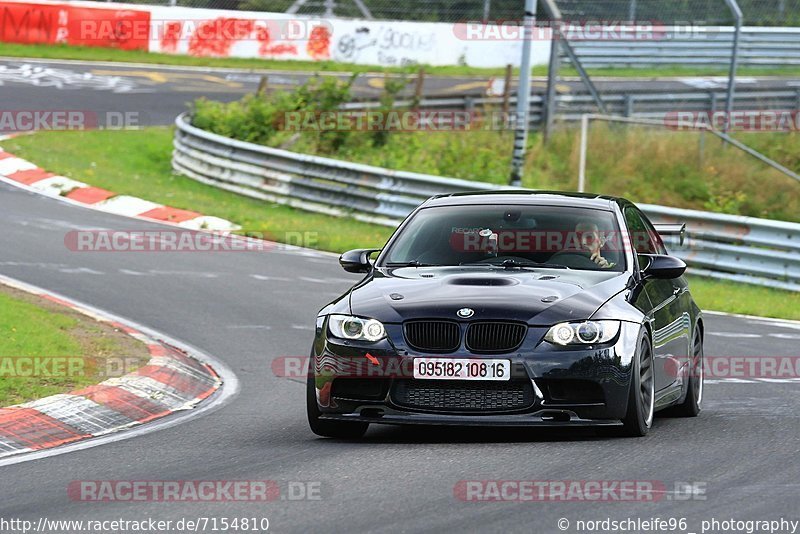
pixel 584 386
pixel 543 418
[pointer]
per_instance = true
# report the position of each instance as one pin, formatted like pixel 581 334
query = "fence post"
pixel 582 159
pixel 523 97
pixel 552 78
pixel 737 13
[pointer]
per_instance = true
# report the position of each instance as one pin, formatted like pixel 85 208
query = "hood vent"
pixel 483 281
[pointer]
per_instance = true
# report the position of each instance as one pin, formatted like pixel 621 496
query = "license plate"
pixel 461 369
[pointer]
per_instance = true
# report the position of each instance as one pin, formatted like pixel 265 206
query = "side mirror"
pixel 661 266
pixel 357 261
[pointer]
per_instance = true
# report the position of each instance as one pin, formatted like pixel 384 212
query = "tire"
pixel 691 405
pixel 639 417
pixel 329 429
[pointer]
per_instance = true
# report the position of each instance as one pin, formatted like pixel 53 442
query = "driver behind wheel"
pixel 593 241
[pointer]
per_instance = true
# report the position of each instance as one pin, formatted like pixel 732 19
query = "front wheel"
pixel 329 429
pixel 641 398
pixel 690 407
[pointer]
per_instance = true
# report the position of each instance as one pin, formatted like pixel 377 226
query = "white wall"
pixel 365 42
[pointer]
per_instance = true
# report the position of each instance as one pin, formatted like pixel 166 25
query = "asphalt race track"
pixel 155 95
pixel 248 308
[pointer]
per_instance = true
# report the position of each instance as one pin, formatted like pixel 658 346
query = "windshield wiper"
pixel 412 263
pixel 514 264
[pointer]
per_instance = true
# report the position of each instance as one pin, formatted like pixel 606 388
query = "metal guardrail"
pixel 324 185
pixel 703 46
pixel 570 107
pixel 745 249
pixel 733 247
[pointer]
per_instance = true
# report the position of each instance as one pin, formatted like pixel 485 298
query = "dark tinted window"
pixel 578 238
pixel 643 237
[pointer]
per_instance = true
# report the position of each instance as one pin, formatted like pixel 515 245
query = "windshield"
pixel 509 237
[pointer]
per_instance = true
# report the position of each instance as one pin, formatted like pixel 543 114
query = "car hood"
pixel 540 297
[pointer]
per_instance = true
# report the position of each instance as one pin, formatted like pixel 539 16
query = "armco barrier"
pixel 700 46
pixel 746 249
pixel 646 102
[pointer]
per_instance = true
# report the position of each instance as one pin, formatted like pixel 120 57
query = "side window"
pixel 655 236
pixel 642 236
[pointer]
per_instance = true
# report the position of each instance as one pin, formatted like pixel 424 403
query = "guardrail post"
pixel 629 105
pixel 263 83
pixel 507 89
pixel 418 87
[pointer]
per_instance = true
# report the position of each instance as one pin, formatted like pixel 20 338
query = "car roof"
pixel 526 197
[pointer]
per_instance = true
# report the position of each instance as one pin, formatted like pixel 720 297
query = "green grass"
pixel 85 53
pixel 138 163
pixel 33 328
pixel 21 332
pixel 643 164
pixel 746 299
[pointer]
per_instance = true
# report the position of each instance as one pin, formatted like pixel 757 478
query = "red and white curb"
pixel 171 381
pixel 23 172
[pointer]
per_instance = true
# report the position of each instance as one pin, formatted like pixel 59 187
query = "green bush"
pixel 261 118
pixel 643 164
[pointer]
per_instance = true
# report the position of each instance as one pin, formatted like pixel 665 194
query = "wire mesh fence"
pixel 699 12
pixel 756 12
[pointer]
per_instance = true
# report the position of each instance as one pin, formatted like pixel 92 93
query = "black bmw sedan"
pixel 512 308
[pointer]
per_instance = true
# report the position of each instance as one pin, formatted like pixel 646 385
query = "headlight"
pixel 583 333
pixel 349 327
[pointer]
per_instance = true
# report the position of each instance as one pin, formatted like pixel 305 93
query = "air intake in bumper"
pixel 460 396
